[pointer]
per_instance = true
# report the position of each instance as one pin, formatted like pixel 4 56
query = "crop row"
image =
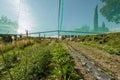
pixel 63 65
pixel 25 63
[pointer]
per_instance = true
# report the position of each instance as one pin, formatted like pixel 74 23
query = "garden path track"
pixel 92 69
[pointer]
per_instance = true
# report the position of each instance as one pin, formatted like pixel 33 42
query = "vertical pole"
pixel 44 36
pixel 70 38
pixel 58 35
pixel 59 18
pixel 27 33
pixel 39 35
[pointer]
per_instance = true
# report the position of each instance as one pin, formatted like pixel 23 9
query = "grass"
pixel 107 42
pixel 19 59
pixel 19 44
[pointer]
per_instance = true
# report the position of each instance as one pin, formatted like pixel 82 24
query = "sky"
pixel 42 15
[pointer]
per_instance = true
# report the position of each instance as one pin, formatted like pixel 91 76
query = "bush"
pixel 7 38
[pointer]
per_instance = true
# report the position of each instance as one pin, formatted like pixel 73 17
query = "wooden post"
pixel 39 35
pixel 27 33
pixel 44 36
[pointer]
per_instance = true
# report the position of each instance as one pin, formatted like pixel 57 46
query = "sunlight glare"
pixel 25 19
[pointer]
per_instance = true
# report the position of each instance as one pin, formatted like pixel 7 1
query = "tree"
pixel 84 28
pixel 96 18
pixel 103 25
pixel 104 28
pixel 4 19
pixel 6 25
pixel 111 10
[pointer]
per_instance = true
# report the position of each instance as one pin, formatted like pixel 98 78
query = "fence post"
pixel 44 36
pixel 27 33
pixel 39 35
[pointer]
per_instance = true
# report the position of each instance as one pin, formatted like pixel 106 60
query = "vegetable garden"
pixel 30 60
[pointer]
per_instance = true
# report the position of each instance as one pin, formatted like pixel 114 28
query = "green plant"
pixel 63 65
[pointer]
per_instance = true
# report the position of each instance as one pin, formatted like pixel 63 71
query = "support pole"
pixel 39 35
pixel 27 33
pixel 59 18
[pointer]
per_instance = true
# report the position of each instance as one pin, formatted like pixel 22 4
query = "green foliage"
pixel 11 59
pixel 41 65
pixel 63 65
pixel 111 10
pixel 107 42
pixel 7 38
pixel 36 62
pixel 30 63
pixel 103 28
pixel 7 25
pixel 84 28
pixel 103 25
pixel 96 18
pixel 5 20
pixel 20 44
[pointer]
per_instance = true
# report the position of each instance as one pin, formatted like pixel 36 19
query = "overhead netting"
pixel 53 17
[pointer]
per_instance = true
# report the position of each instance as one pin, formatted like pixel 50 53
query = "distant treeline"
pixel 97 28
pixel 7 26
pixel 6 20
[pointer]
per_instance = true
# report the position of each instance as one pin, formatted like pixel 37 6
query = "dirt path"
pixel 92 70
pixel 109 63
